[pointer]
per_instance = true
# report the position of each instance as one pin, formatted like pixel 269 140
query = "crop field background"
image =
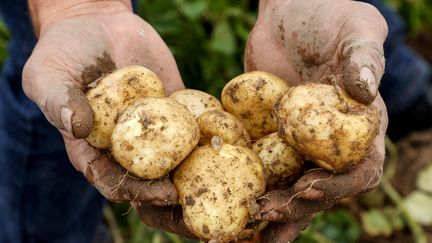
pixel 207 39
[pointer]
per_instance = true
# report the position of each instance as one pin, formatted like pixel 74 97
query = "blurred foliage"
pixel 4 38
pixel 207 38
pixel 417 13
pixel 332 226
pixel 127 228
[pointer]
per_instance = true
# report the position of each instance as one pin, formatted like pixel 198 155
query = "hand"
pixel 78 44
pixel 308 40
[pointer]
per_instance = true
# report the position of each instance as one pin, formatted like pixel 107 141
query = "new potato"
pixel 217 184
pixel 283 165
pixel 113 93
pixel 153 136
pixel 251 97
pixel 196 101
pixel 224 125
pixel 326 125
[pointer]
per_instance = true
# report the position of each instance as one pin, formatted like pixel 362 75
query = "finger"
pixel 284 232
pixel 166 218
pixel 113 181
pixel 148 50
pixel 61 100
pixel 362 52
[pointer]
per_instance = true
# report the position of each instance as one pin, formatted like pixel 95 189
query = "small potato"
pixel 250 97
pixel 224 125
pixel 326 125
pixel 196 101
pixel 113 94
pixel 283 165
pixel 153 136
pixel 217 186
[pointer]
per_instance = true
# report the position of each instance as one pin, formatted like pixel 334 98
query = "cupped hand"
pixel 309 41
pixel 76 50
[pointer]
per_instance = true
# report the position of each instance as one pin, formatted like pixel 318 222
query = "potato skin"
pixel 224 125
pixel 216 184
pixel 196 101
pixel 153 136
pixel 283 165
pixel 326 125
pixel 251 97
pixel 113 94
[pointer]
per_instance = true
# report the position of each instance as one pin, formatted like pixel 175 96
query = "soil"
pixel 415 153
pixel 422 44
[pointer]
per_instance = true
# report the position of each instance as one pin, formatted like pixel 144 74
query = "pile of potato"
pixel 223 156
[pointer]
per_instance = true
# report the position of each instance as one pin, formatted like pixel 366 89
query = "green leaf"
pixel 424 179
pixel 419 206
pixel 223 39
pixel 193 10
pixel 395 218
pixel 375 223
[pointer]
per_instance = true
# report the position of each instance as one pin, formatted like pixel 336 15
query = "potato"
pixel 326 125
pixel 250 97
pixel 224 125
pixel 217 186
pixel 196 101
pixel 153 136
pixel 283 165
pixel 113 94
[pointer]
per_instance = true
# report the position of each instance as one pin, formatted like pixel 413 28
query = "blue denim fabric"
pixel 42 197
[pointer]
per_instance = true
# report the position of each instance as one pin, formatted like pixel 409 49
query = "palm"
pixel 309 40
pixel 74 52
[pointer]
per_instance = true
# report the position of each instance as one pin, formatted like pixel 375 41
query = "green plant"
pixel 207 38
pixel 416 13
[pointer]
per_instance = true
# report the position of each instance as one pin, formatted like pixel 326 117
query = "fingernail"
pixel 66 118
pixel 367 76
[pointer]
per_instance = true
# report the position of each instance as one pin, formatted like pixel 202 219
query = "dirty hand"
pixel 78 42
pixel 309 40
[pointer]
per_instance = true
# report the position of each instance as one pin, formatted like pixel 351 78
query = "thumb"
pixel 363 54
pixel 61 100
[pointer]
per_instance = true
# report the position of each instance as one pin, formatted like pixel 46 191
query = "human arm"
pixel 78 42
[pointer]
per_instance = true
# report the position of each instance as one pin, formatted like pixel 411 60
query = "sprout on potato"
pixel 283 165
pixel 196 101
pixel 326 125
pixel 224 125
pixel 113 94
pixel 251 97
pixel 216 184
pixel 153 136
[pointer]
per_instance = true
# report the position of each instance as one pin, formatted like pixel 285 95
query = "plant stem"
pixel 112 224
pixel 416 229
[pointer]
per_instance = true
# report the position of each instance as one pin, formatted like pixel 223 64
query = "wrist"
pixel 47 12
